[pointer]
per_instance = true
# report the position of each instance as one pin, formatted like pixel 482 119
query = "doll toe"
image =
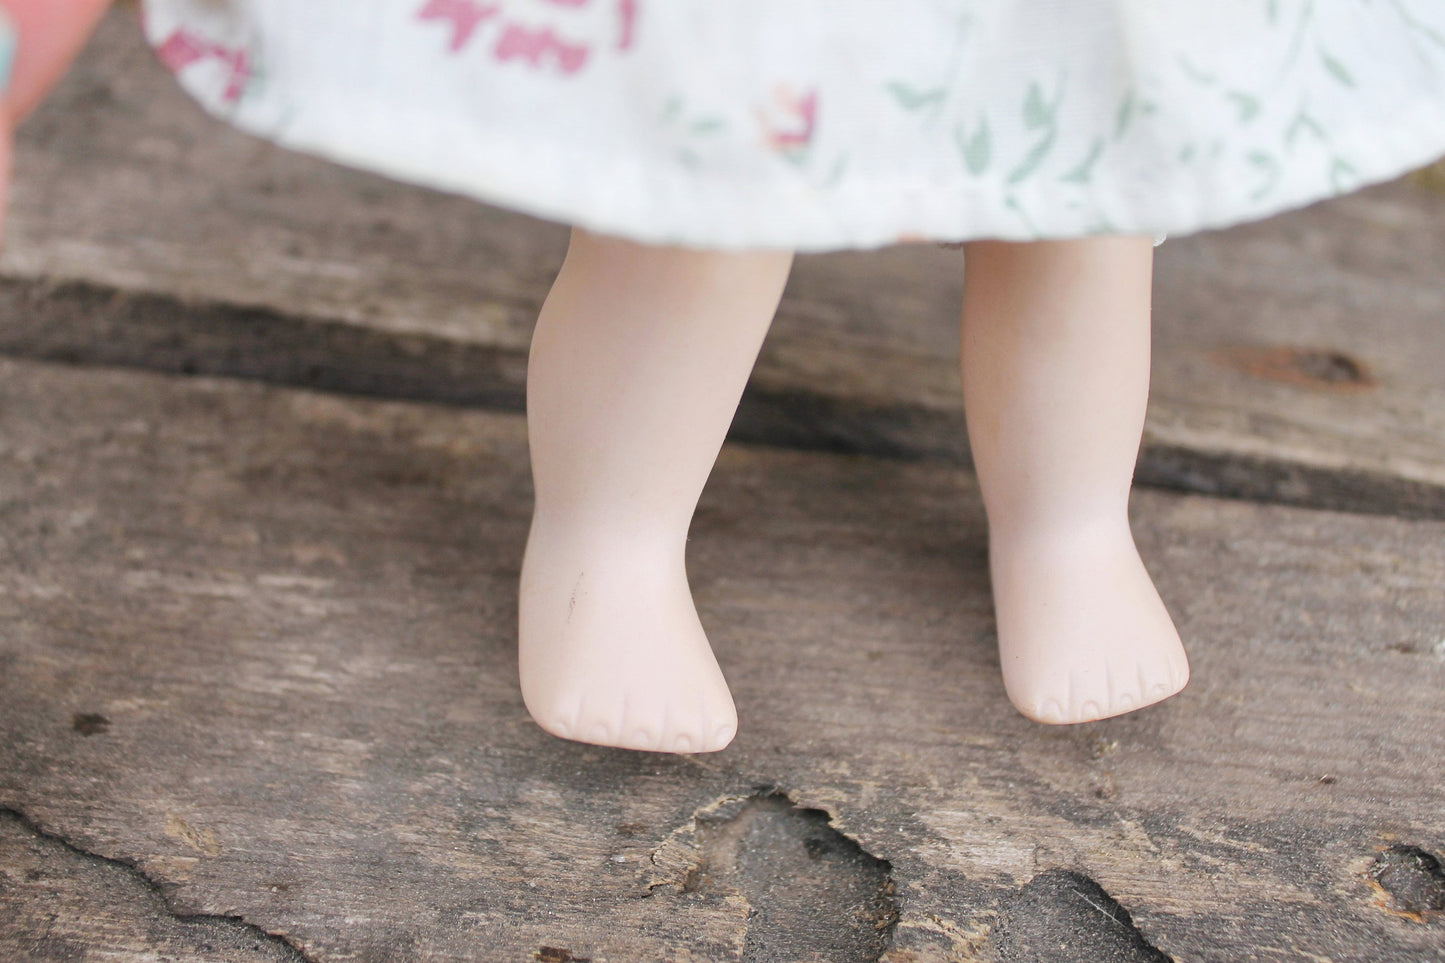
pixel 1050 710
pixel 1179 675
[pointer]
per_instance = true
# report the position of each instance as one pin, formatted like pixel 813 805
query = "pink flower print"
pixel 540 47
pixel 240 75
pixel 800 119
pixel 465 17
pixel 523 43
pixel 627 13
pixel 183 48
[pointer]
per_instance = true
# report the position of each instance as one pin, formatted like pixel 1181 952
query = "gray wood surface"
pixel 1299 360
pixel 61 903
pixel 257 644
pixel 257 679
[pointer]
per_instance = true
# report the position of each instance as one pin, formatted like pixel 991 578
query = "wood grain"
pixel 63 904
pixel 257 642
pixel 124 185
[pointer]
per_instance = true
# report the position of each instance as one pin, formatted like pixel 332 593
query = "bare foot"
pixel 1083 634
pixel 612 652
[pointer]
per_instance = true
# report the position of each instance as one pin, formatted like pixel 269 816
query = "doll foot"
pixel 612 653
pixel 1083 634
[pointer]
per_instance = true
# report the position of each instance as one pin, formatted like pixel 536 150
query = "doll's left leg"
pixel 1056 379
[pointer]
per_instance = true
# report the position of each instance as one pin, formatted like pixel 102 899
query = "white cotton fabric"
pixel 840 124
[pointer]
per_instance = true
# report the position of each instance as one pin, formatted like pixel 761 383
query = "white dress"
pixel 823 124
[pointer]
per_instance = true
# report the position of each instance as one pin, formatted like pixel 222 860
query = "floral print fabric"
pixel 822 124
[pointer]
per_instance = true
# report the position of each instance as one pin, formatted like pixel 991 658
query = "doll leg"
pixel 38 40
pixel 49 34
pixel 638 361
pixel 1056 378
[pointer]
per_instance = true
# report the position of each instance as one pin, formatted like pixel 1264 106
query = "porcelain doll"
pixel 695 145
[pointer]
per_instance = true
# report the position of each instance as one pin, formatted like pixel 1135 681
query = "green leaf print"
pixel 682 124
pixel 1034 158
pixel 912 99
pixel 1012 203
pixel 1248 105
pixel 1414 24
pixel 1037 111
pixel 1297 40
pixel 1343 176
pixel 706 125
pixel 1085 169
pixel 1303 123
pixel 1269 172
pixel 977 148
pixel 1125 115
pixel 1336 69
pixel 1195 73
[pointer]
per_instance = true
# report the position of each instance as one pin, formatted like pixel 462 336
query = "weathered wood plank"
pixel 62 904
pixel 123 184
pixel 259 643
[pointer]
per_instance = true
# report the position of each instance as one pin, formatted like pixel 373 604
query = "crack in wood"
pixel 81 323
pixel 1231 475
pixel 809 890
pixel 1062 916
pixel 222 928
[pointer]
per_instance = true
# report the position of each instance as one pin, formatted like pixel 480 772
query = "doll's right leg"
pixel 38 40
pixel 1056 380
pixel 48 35
pixel 638 361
